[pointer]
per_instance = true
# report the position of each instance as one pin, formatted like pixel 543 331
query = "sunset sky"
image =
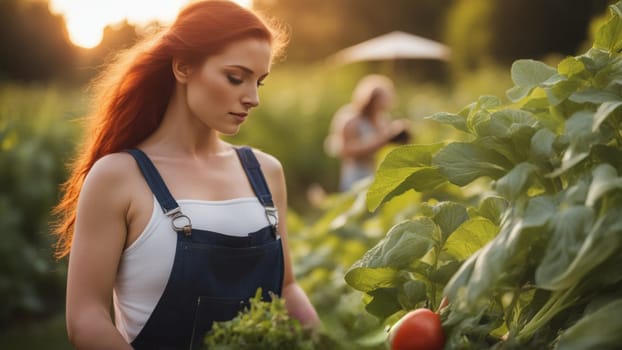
pixel 86 19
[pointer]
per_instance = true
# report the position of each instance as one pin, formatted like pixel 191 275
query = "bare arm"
pixel 98 242
pixel 296 301
pixel 354 147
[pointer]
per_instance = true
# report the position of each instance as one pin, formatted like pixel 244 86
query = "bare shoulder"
pixel 273 172
pixel 113 175
pixel 112 168
pixel 270 165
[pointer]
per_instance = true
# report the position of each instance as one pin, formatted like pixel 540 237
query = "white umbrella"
pixel 392 46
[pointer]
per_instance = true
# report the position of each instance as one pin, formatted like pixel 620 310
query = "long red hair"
pixel 132 93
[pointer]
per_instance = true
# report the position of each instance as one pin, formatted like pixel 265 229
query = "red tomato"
pixel 418 330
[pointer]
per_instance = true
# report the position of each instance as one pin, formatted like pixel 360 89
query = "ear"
pixel 181 70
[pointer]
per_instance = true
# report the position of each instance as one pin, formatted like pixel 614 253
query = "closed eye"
pixel 233 80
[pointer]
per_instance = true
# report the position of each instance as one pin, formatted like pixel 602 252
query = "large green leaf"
pixel 604 111
pixel 570 228
pixel 570 67
pixel 412 293
pixel 559 87
pixel 541 147
pixel 404 243
pixel 515 183
pixel 520 136
pixel 423 179
pixel 518 239
pixel 470 237
pixel 593 95
pixel 528 74
pixel 513 146
pixel 478 122
pixel 443 273
pixel 503 146
pixel 579 130
pixel 502 122
pixel 398 167
pixel 455 120
pixel 462 162
pixel 539 211
pixel 479 117
pixel 610 75
pixel 448 216
pixel 561 90
pixel 384 302
pixel 492 208
pixel 603 240
pixel 408 241
pixel 582 138
pixel 487 102
pixel 368 279
pixel 609 36
pixel 601 329
pixel 595 59
pixel 605 179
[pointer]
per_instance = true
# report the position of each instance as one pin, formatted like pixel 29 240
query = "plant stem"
pixel 511 311
pixel 558 301
pixel 433 305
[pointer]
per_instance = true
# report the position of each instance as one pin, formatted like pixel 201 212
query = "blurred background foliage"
pixel 42 98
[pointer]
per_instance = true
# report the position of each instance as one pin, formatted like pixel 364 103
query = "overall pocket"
pixel 210 310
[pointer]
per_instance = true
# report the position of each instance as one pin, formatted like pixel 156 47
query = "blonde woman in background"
pixel 362 127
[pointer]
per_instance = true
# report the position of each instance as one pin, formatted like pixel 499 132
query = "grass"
pixel 49 334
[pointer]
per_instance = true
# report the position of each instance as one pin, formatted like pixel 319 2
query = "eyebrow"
pixel 246 69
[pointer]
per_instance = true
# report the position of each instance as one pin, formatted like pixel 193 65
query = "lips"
pixel 239 117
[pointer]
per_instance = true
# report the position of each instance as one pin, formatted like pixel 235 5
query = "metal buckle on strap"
pixel 272 215
pixel 177 215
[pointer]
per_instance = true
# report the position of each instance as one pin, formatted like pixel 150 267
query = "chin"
pixel 230 131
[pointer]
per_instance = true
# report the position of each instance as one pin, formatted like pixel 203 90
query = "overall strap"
pixel 160 191
pixel 258 182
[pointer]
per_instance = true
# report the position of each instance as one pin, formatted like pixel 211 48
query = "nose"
pixel 251 98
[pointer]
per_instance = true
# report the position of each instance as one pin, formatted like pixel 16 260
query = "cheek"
pixel 206 93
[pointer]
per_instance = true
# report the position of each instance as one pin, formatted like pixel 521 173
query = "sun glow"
pixel 86 19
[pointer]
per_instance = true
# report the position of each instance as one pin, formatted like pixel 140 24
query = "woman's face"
pixel 223 89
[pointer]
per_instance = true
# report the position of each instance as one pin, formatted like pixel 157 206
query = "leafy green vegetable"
pixel 402 169
pixel 544 247
pixel 266 325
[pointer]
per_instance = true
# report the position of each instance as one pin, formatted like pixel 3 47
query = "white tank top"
pixel 147 263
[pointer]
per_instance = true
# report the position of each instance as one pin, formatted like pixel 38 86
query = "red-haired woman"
pixel 161 216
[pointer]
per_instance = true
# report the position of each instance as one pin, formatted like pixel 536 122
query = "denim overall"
pixel 213 274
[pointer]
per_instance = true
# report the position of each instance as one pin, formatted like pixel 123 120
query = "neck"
pixel 182 133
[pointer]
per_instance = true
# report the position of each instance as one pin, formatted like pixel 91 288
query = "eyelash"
pixel 236 81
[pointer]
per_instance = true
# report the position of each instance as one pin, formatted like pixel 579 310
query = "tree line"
pixel 36 47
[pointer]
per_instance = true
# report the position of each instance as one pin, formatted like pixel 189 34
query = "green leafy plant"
pixel 34 147
pixel 541 255
pixel 265 325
